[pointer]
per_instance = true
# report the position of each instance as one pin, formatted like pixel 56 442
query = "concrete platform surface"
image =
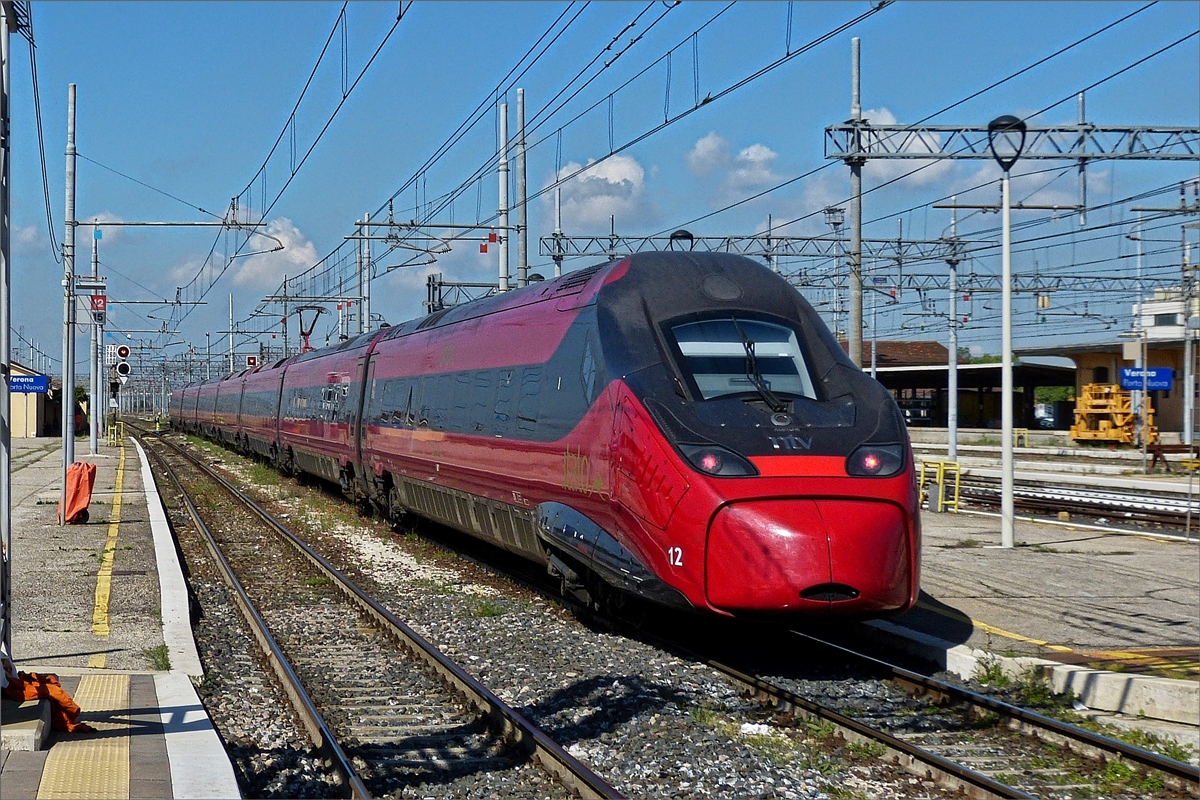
pixel 1111 616
pixel 26 725
pixel 104 606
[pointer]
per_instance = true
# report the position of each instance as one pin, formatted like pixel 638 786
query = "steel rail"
pixel 1165 506
pixel 572 773
pixel 322 738
pixel 1093 745
pixel 1165 514
pixel 909 757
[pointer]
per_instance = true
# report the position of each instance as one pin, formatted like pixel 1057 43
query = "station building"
pixel 1159 328
pixel 31 405
pixel 916 372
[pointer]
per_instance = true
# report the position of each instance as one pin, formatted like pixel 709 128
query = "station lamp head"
pixel 682 237
pixel 1006 140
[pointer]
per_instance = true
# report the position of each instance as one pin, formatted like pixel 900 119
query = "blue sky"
pixel 190 97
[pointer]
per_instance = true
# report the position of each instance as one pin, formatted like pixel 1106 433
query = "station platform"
pixel 1111 616
pixel 103 605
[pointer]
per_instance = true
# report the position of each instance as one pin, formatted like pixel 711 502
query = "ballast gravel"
pixel 651 724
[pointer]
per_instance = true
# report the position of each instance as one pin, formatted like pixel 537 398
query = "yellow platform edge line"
pixel 91 766
pixel 994 631
pixel 100 621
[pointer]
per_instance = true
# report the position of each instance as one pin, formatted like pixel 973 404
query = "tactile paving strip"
pixel 92 766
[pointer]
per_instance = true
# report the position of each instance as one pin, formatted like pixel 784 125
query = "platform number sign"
pixel 99 308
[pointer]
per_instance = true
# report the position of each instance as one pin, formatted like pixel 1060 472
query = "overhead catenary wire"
pixel 163 192
pixel 449 196
pixel 266 208
pixel 1068 97
pixel 616 150
pixel 477 115
pixel 37 114
pixel 926 118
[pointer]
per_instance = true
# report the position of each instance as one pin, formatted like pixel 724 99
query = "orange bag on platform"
pixel 81 477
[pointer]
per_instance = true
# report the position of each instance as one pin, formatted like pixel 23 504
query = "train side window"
pixel 423 412
pixel 407 416
pixel 383 401
pixel 460 418
pixel 527 402
pixel 714 355
pixel 501 421
pixel 482 403
pixel 441 402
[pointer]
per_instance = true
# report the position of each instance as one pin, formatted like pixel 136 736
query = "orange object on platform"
pixel 81 477
pixel 63 709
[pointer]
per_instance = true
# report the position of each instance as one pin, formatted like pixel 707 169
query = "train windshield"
pixel 721 356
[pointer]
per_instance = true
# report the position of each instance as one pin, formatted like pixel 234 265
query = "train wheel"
pixel 396 511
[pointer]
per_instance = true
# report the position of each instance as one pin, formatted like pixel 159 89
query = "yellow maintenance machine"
pixel 1104 412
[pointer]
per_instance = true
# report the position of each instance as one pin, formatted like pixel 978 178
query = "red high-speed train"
pixel 677 426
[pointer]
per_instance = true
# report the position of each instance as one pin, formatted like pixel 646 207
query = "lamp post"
pixel 1144 409
pixel 1006 140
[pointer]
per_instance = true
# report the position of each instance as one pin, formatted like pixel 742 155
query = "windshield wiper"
pixel 755 376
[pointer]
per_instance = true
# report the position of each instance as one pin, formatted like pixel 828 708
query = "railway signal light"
pixel 122 367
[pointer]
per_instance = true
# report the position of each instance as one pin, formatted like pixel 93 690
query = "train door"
pixel 358 424
pixel 275 421
pixel 238 431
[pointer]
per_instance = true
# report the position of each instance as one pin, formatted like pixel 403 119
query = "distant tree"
pixel 1053 394
pixel 965 357
pixel 81 395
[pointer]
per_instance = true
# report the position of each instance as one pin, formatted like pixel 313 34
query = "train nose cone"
pixel 844 556
pixel 869 550
pixel 762 554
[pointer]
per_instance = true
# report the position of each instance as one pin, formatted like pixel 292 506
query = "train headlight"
pixel 875 460
pixel 713 460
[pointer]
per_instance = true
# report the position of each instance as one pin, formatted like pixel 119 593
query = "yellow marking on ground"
pixel 85 766
pixel 1150 659
pixel 97 660
pixel 993 630
pixel 100 622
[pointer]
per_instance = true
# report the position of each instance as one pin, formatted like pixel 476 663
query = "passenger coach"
pixel 680 427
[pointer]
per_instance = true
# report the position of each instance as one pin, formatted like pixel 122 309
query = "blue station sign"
pixel 29 384
pixel 1157 379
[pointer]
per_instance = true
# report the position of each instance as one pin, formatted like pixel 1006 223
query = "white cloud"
pixel 753 168
pixel 926 170
pixel 109 235
pixel 741 174
pixel 709 154
pixel 266 270
pixel 614 187
pixel 30 240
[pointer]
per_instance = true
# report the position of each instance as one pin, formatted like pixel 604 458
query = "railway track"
pixel 1163 509
pixel 382 706
pixel 969 742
